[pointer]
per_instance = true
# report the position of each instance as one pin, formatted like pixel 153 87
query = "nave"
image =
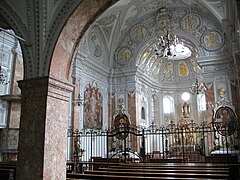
pixel 75 64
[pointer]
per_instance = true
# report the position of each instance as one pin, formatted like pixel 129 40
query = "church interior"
pixel 104 89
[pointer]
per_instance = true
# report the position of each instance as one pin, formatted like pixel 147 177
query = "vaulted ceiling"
pixel 125 37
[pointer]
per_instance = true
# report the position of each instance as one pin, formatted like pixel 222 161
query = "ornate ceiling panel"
pixel 130 28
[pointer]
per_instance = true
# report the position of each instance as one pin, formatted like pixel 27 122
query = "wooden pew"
pixel 7 174
pixel 226 159
pixel 174 166
pixel 114 177
pixel 222 169
pixel 160 174
pixel 157 171
pixel 154 160
pixel 78 167
pixel 183 170
pixel 198 167
pixel 8 170
pixel 234 171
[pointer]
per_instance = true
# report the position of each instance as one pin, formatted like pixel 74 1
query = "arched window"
pixel 143 113
pixel 168 105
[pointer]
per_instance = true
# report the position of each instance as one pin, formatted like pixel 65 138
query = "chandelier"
pixel 198 87
pixel 167 45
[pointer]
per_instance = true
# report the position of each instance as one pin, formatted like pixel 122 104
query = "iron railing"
pixel 172 143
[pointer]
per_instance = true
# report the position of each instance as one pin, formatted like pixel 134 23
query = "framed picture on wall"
pixel 225 120
pixel 93 108
pixel 121 123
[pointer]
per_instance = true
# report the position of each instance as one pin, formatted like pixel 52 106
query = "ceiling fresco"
pixel 126 35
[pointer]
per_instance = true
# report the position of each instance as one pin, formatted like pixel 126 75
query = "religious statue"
pixel 222 99
pixel 77 147
pixel 186 110
pixel 222 92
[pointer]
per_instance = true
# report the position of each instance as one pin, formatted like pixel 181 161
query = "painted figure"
pixel 93 108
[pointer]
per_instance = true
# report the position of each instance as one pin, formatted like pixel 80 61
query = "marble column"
pixel 43 129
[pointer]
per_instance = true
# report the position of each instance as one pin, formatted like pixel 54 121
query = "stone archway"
pixel 45 102
pixel 72 32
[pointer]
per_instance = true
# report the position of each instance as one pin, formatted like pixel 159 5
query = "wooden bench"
pixel 157 171
pixel 160 174
pixel 234 171
pixel 114 177
pixel 174 168
pixel 174 165
pixel 101 159
pixel 7 174
pixel 154 160
pixel 78 167
pixel 185 170
pixel 226 159
pixel 8 170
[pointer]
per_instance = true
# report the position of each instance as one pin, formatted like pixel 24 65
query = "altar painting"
pixel 93 108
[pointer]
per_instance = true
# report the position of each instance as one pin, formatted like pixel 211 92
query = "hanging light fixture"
pixel 198 87
pixel 167 45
